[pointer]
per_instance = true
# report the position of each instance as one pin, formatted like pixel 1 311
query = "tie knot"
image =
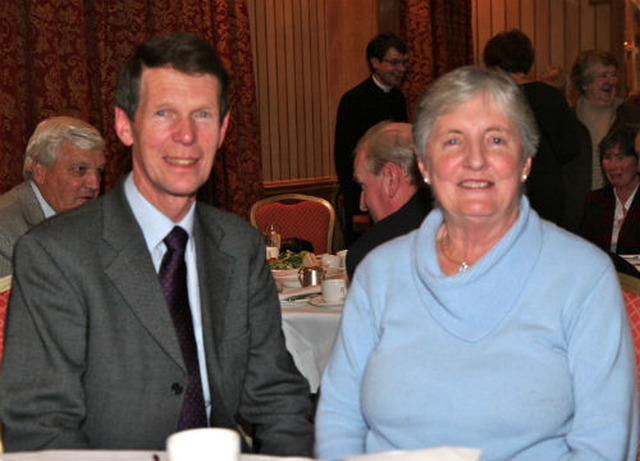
pixel 177 239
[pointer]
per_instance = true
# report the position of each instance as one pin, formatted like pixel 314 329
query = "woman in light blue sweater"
pixel 487 327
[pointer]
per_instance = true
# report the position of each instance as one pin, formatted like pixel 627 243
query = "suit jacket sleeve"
pixel 276 397
pixel 46 409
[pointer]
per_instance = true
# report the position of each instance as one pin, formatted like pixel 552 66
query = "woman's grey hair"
pixel 49 134
pixel 460 86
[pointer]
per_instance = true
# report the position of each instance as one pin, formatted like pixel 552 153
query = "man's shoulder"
pixel 15 206
pixel 363 88
pixel 231 225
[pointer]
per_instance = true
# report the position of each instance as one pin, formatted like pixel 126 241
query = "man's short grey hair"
pixel 460 86
pixel 50 133
pixel 388 142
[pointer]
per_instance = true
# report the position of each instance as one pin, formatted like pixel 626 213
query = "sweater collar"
pixel 471 304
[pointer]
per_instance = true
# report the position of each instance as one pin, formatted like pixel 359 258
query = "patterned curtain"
pixel 63 57
pixel 438 37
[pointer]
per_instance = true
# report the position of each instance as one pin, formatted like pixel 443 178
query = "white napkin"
pixel 425 454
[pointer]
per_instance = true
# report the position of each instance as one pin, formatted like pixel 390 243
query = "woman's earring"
pixel 426 180
pixel 524 177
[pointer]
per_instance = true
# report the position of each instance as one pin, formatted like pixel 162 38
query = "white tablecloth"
pixel 113 455
pixel 310 332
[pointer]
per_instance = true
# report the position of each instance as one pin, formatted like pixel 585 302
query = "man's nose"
pixel 185 131
pixel 92 180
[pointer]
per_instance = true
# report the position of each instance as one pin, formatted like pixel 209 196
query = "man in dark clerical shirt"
pixel 376 99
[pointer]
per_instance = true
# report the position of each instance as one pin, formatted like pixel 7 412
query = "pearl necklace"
pixel 463 265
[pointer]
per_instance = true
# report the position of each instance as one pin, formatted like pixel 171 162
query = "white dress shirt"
pixel 155 227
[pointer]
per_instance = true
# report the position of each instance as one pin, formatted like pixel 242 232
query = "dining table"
pixel 310 327
pixel 117 455
pixel 309 333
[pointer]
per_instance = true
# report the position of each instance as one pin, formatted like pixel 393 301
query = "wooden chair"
pixel 631 293
pixel 303 216
pixel 5 290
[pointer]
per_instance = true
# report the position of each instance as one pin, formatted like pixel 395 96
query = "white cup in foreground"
pixel 331 261
pixel 204 444
pixel 334 290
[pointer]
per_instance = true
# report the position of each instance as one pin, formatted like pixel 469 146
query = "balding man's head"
pixel 386 169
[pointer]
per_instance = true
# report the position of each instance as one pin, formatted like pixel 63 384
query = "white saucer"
pixel 319 301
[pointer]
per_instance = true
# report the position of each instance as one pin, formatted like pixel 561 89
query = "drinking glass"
pixel 272 235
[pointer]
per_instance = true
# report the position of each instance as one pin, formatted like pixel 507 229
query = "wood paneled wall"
pixel 306 54
pixel 559 29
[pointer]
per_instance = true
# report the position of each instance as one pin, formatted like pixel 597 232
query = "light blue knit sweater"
pixel 527 355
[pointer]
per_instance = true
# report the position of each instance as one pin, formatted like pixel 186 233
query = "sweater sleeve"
pixel 602 361
pixel 341 428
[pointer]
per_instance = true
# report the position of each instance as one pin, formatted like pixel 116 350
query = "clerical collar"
pixel 382 86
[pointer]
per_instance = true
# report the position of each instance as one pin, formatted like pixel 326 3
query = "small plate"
pixel 319 301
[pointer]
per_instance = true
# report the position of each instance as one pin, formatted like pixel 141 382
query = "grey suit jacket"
pixel 19 210
pixel 91 358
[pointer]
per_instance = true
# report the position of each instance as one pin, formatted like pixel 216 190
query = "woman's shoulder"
pixel 563 248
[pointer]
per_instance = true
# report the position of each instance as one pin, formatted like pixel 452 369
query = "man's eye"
pixel 203 114
pixel 78 170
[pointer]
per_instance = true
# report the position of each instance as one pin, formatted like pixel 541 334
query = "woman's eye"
pixel 496 140
pixel 452 141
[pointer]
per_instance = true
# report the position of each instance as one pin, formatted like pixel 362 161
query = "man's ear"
pixel 375 63
pixel 223 128
pixel 123 127
pixel 38 172
pixel 390 174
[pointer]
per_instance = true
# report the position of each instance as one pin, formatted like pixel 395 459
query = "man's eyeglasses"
pixel 397 62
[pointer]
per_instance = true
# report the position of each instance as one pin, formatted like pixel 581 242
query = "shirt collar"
pixel 46 208
pixel 379 84
pixel 154 224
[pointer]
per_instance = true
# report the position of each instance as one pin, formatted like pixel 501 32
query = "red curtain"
pixel 64 56
pixel 438 37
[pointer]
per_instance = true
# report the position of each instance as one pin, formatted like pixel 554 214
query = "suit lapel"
pixel 214 277
pixel 628 239
pixel 131 271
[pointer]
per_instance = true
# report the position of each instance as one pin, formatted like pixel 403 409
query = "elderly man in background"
pixel 376 99
pixel 392 190
pixel 62 169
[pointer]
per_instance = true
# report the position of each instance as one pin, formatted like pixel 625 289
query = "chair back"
pixel 303 216
pixel 631 293
pixel 5 290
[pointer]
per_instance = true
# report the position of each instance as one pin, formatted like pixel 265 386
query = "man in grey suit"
pixel 62 169
pixel 91 357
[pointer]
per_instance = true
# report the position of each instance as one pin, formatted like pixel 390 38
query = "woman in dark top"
pixel 611 217
pixel 512 51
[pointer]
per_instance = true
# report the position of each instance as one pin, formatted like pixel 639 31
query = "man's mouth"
pixel 180 161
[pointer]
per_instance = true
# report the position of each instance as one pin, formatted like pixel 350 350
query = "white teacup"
pixel 331 261
pixel 334 290
pixel 204 444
